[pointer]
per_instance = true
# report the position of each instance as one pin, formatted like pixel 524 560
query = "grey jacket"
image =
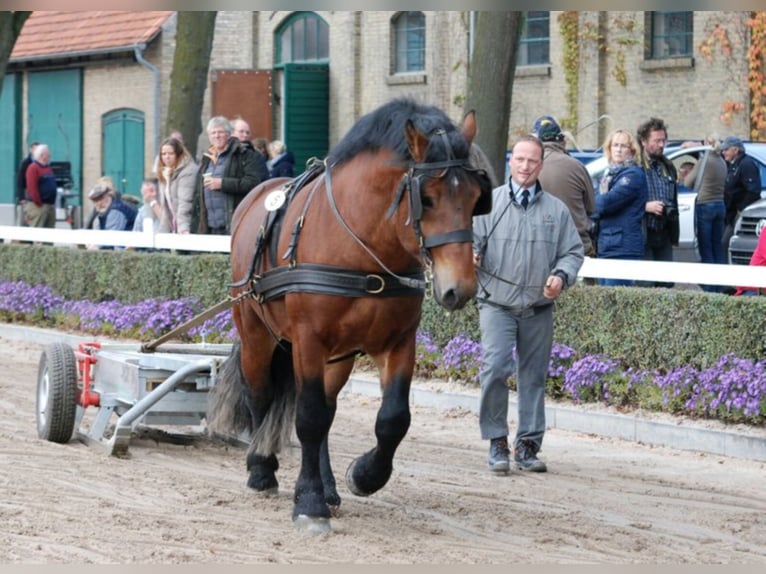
pixel 524 248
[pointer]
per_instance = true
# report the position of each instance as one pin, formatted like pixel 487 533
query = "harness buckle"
pixel 428 276
pixel 379 289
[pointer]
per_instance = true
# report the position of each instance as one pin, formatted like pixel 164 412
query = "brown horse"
pixel 336 263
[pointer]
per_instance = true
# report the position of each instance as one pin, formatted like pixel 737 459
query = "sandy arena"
pixel 602 501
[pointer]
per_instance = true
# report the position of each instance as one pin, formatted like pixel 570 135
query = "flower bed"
pixel 732 390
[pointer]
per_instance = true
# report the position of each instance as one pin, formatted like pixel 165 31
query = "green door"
pixel 10 137
pixel 306 99
pixel 55 117
pixel 123 149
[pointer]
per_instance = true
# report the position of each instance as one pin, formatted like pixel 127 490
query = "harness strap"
pixel 329 280
pixel 456 236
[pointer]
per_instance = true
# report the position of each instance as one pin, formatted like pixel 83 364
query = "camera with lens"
pixel 670 212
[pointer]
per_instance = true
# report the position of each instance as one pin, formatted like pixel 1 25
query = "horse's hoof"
pixel 334 510
pixel 311 524
pixel 267 492
pixel 355 490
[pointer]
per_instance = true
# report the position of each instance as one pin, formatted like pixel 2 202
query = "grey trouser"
pixel 531 332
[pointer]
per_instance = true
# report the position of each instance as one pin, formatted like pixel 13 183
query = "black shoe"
pixel 525 455
pixel 498 459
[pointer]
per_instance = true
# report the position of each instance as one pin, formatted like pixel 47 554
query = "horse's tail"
pixel 233 409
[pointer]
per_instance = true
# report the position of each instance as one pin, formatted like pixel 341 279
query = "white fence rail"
pixel 675 272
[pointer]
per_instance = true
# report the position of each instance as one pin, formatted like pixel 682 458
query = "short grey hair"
pixel 37 153
pixel 219 122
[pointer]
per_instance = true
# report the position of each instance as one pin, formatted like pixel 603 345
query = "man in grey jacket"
pixel 527 251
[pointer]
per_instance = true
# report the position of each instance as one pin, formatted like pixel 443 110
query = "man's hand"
pixel 553 286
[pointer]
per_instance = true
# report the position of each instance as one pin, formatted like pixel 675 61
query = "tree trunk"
pixel 490 81
pixel 189 77
pixel 11 24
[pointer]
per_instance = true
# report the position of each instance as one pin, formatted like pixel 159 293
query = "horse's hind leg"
pixel 370 472
pixel 273 416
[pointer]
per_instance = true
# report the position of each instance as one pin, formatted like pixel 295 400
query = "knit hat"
pixel 732 141
pixel 547 129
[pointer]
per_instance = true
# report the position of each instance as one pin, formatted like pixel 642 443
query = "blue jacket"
pixel 620 212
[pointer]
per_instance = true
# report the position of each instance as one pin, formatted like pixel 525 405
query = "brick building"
pixel 94 85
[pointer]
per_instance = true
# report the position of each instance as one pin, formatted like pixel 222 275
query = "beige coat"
pixel 176 197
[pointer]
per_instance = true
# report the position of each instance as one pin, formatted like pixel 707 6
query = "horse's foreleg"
pixel 336 376
pixel 370 472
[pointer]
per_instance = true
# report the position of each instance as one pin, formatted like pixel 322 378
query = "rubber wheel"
pixel 56 405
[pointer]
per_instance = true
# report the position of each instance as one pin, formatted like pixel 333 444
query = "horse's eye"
pixel 426 202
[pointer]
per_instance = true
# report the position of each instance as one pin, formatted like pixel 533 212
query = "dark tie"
pixel 525 198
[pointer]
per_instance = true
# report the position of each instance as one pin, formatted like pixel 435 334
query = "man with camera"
pixel 662 225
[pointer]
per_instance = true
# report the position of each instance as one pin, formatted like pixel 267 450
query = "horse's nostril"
pixel 452 301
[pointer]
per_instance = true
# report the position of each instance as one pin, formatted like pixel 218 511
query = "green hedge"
pixel 642 327
pixel 126 276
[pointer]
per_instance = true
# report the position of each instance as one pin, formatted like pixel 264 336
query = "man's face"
pixel 655 143
pixel 526 161
pixel 45 157
pixel 148 192
pixel 730 153
pixel 218 137
pixel 241 131
pixel 102 203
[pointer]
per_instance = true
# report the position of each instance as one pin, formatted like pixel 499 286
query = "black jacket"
pixel 242 173
pixel 742 186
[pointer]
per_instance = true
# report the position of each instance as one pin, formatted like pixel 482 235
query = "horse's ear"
pixel 416 142
pixel 469 126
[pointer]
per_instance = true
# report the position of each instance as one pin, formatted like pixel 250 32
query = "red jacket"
pixel 41 184
pixel 757 258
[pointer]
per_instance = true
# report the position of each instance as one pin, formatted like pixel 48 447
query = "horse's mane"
pixel 383 128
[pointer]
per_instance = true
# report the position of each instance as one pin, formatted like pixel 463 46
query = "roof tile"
pixel 57 34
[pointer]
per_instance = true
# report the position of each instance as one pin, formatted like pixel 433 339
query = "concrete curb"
pixel 625 427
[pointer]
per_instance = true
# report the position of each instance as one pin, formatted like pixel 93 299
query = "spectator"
pixel 742 186
pixel 110 212
pixel 229 170
pixel 241 131
pixel 566 178
pixel 261 145
pixel 527 250
pixel 620 204
pixel 177 177
pixel 683 171
pixel 40 204
pixel 662 225
pixel 151 209
pixel 21 185
pixel 282 162
pixel 757 258
pixel 175 134
pixel 708 178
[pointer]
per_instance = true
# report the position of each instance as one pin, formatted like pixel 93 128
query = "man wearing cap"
pixel 742 186
pixel 109 211
pixel 566 178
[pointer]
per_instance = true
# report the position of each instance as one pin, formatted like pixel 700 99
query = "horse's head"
pixel 445 193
